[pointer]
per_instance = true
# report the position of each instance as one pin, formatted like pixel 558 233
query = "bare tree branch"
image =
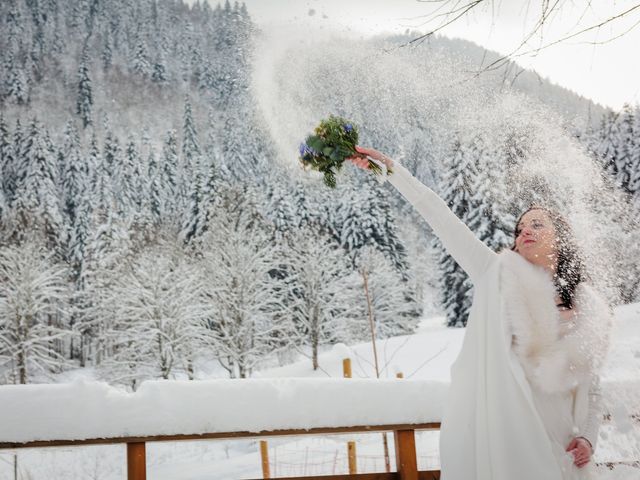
pixel 515 54
pixel 450 11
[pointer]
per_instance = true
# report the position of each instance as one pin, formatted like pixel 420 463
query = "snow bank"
pixel 86 410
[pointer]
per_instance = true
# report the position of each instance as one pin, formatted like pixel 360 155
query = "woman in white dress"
pixel 524 401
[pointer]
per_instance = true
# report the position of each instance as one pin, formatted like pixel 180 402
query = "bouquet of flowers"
pixel 332 142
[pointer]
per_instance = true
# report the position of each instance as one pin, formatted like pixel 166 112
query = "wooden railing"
pixel 404 438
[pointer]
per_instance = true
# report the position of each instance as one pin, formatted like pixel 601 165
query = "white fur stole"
pixel 556 354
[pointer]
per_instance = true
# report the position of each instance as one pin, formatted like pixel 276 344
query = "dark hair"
pixel 571 269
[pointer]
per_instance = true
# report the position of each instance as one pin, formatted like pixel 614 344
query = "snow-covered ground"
pixel 426 355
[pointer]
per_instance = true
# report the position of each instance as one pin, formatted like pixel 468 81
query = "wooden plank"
pixel 351 455
pixel 422 475
pixel 429 475
pixel 264 455
pixel 136 461
pixel 406 460
pixel 346 368
pixel 220 435
pixel 357 476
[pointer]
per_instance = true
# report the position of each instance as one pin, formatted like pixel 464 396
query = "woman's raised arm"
pixel 460 242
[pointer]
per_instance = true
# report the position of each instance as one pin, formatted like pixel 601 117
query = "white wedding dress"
pixel 510 416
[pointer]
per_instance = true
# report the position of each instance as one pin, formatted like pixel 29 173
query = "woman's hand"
pixel 581 450
pixel 375 154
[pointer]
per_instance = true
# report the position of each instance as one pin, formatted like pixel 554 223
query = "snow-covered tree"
pixel 364 218
pixel 70 161
pixel 281 214
pixel 37 203
pixel 237 257
pixel 101 182
pixel 489 218
pixel 634 164
pixel 456 184
pixel 159 316
pixel 107 256
pixel 84 102
pixel 381 293
pixel 319 298
pixel 33 297
pixel 106 55
pixel 8 162
pixel 168 174
pixel 190 162
pixel 140 60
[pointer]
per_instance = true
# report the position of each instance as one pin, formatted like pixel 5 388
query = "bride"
pixel 524 401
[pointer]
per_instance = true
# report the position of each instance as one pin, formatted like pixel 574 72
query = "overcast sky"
pixel 608 73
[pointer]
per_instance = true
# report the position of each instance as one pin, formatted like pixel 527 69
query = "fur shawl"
pixel 556 355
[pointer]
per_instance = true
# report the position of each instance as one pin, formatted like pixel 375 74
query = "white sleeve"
pixel 591 426
pixel 460 242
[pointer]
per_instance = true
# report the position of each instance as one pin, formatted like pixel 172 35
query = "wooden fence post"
pixel 351 452
pixel 406 459
pixel 346 368
pixel 264 454
pixel 136 461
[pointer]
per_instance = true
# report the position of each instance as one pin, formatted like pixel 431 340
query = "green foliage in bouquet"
pixel 332 142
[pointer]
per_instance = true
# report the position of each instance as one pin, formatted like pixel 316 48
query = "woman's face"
pixel 536 237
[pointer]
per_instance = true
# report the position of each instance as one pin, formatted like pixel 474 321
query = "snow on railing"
pixel 84 413
pixel 92 410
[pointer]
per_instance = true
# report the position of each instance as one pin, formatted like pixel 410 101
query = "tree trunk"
pixel 371 322
pixel 315 338
pixel 190 372
pixel 22 367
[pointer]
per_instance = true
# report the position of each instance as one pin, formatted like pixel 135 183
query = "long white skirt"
pixel 556 412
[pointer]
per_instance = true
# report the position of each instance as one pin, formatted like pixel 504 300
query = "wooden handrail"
pixel 404 435
pixel 219 435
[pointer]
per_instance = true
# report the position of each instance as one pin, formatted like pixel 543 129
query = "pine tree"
pixel 18 86
pixel 190 145
pixel 460 170
pixel 302 205
pixel 168 174
pixel 17 83
pixel 20 166
pixel 365 219
pixel 8 163
pixel 159 70
pixel 281 214
pixel 192 225
pixel 81 224
pixel 634 164
pixel 101 182
pixel 625 147
pixel 155 189
pixel 84 102
pixel 140 61
pixel 37 204
pixel 70 164
pixel 489 218
pixel 107 51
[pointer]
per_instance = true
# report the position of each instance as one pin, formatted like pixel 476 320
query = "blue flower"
pixel 348 127
pixel 305 149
